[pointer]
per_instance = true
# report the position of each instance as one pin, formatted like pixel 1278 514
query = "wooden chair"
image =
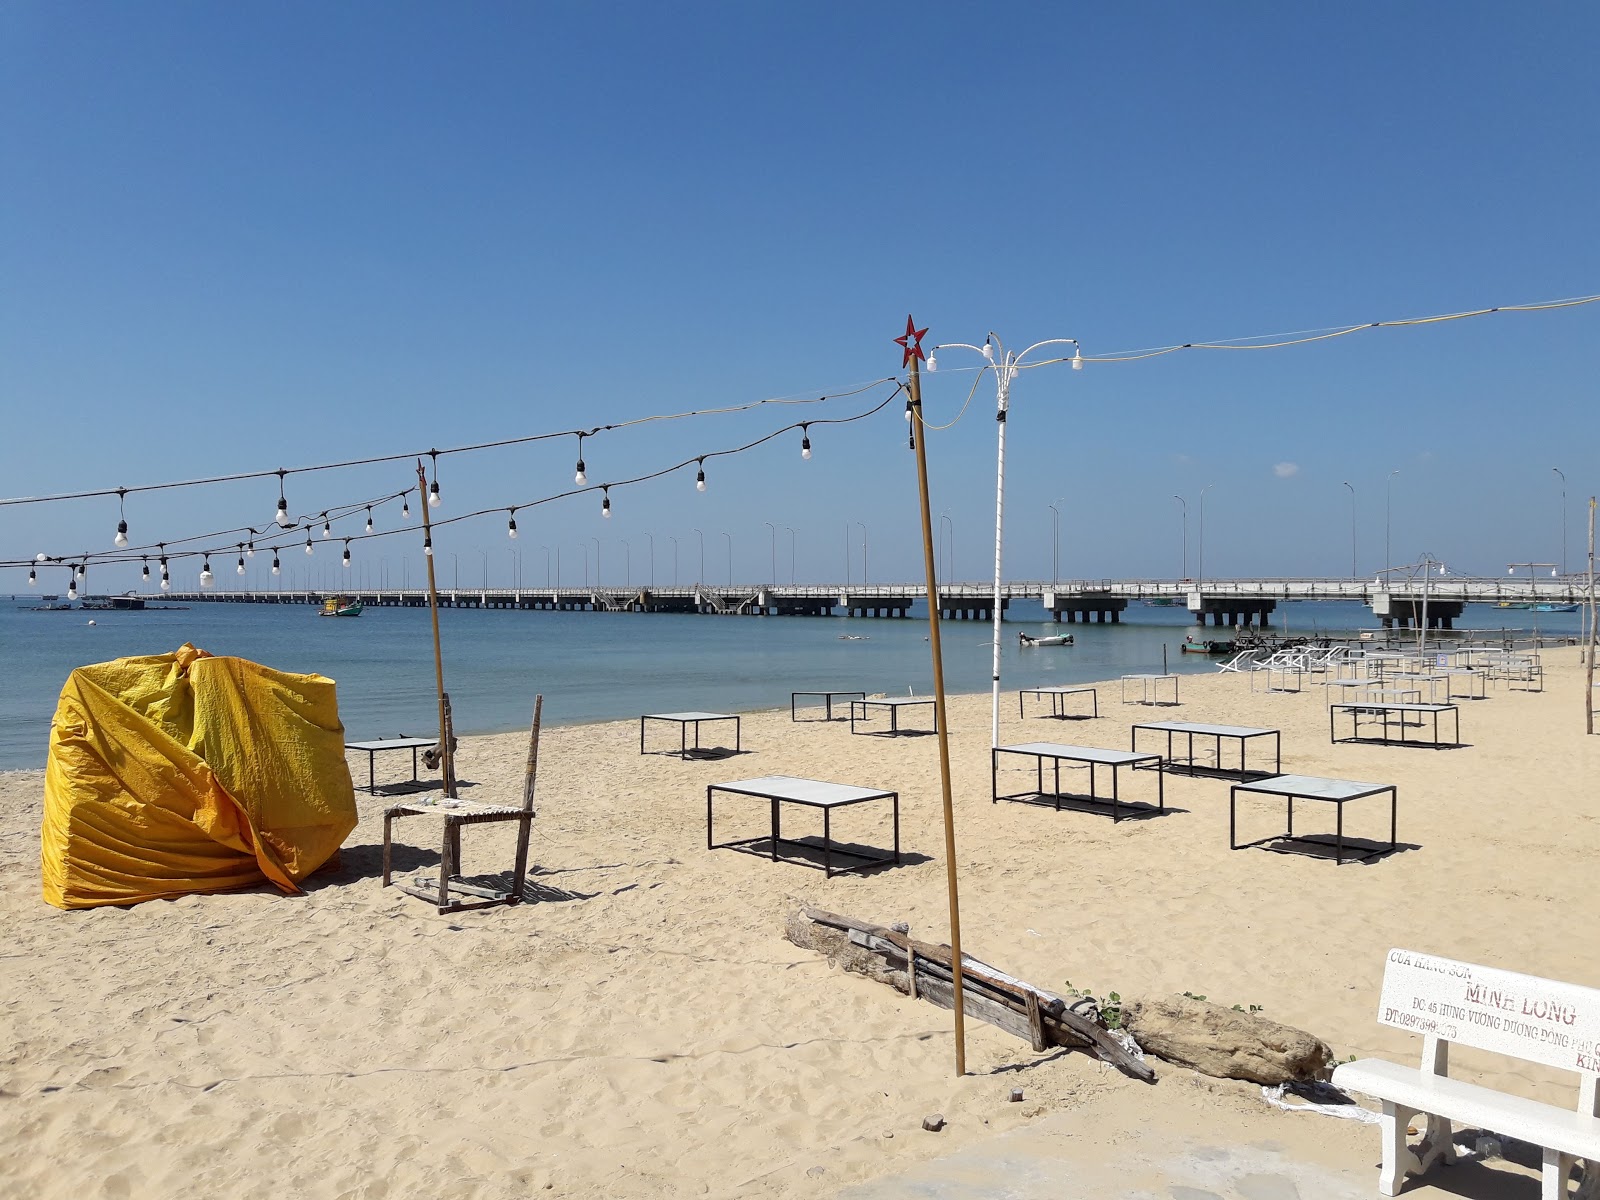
pixel 452 815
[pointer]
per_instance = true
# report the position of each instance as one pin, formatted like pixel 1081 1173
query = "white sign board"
pixel 1538 1020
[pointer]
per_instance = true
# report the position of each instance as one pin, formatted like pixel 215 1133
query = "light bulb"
pixel 166 584
pixel 145 574
pixel 605 506
pixel 80 570
pixel 433 494
pixel 405 507
pixel 276 570
pixel 240 568
pixel 282 517
pixel 805 447
pixel 1077 358
pixel 369 520
pixel 122 533
pixel 427 546
pixel 250 550
pixel 700 481
pixel 1552 572
pixel 511 529
pixel 33 579
pixel 933 362
pixel 908 408
pixel 38 558
pixel 310 549
pixel 206 577
pixel 327 530
pixel 1511 570
pixel 72 590
pixel 580 478
pixel 347 558
pixel 988 350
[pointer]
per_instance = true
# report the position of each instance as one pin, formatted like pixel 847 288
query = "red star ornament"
pixel 912 342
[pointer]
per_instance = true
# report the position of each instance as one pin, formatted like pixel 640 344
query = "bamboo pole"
pixel 920 438
pixel 1594 635
pixel 447 758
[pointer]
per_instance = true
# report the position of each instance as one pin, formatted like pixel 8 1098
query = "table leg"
pixel 1115 812
pixel 776 830
pixel 827 843
pixel 1094 698
pixel 710 842
pixel 388 822
pixel 413 764
pixel 1056 781
pixel 1161 787
pixel 372 779
pixel 994 780
pixel 1233 835
pixel 897 830
pixel 1338 836
pixel 738 735
pixel 1394 814
pixel 641 735
pixel 792 717
pixel 1290 831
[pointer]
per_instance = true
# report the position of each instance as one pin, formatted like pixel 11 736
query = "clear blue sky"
pixel 244 236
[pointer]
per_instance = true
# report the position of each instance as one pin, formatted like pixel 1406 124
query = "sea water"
pixel 606 666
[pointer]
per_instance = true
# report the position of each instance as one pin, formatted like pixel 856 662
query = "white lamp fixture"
pixel 605 502
pixel 511 525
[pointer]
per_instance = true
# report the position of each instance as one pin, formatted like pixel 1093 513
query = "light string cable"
pixel 698 460
pixel 435 454
pixel 1275 341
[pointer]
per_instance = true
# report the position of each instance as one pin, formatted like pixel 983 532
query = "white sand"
pixel 644 1029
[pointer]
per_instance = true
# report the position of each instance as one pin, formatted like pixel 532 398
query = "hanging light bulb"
pixel 145 574
pixel 206 577
pixel 433 488
pixel 347 554
pixel 988 350
pixel 1077 357
pixel 72 586
pixel 327 529
pixel 38 558
pixel 166 584
pixel 33 579
pixel 1511 570
pixel 700 476
pixel 240 568
pixel 276 570
pixel 81 568
pixel 310 549
pixel 908 408
pixel 805 442
pixel 122 519
pixel 369 519
pixel 427 546
pixel 122 534
pixel 933 362
pixel 580 478
pixel 282 516
pixel 250 549
pixel 405 507
pixel 511 525
pixel 605 502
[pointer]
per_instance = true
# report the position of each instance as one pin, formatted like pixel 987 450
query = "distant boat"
pixel 1024 639
pixel 1512 604
pixel 1205 646
pixel 340 606
pixel 48 604
pixel 1555 608
pixel 1162 602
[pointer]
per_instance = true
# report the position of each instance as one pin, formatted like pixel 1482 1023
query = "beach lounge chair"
pixel 452 814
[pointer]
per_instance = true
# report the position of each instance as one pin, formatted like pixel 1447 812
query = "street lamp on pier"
pixel 596 542
pixel 863 553
pixel 702 538
pixel 1388 505
pixel 772 531
pixel 1200 536
pixel 1558 471
pixel 627 562
pixel 790 528
pixel 1351 486
pixel 1055 544
pixel 1185 504
pixel 729 536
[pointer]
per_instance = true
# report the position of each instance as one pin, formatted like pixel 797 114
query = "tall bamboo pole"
pixel 1594 634
pixel 447 758
pixel 920 439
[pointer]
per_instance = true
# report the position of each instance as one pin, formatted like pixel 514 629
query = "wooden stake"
pixel 920 437
pixel 447 757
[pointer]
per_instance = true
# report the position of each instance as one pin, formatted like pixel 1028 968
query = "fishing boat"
pixel 340 606
pixel 1024 639
pixel 1205 646
pixel 1555 608
pixel 1162 602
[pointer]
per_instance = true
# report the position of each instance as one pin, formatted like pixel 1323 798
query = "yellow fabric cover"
pixel 181 773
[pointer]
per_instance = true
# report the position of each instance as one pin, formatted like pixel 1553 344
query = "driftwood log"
pixel 1224 1042
pixel 923 971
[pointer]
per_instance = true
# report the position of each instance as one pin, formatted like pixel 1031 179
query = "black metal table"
pixel 894 706
pixel 1191 729
pixel 779 790
pixel 684 720
pixel 403 743
pixel 1091 756
pixel 1393 715
pixel 827 701
pixel 1337 792
pixel 1058 697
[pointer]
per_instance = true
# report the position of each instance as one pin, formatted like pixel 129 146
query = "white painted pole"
pixel 1003 399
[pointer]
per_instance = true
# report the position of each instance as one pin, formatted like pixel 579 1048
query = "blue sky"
pixel 249 236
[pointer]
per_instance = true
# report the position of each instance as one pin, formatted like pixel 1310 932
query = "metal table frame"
pixel 373 747
pixel 684 720
pixel 770 788
pixel 1057 697
pixel 1286 787
pixel 1151 684
pixel 893 705
pixel 1240 733
pixel 827 701
pixel 1359 708
pixel 1092 756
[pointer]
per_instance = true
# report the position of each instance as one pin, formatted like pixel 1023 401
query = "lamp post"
pixel 456 560
pixel 729 536
pixel 1185 504
pixel 546 550
pixel 1200 536
pixel 652 539
pixel 702 538
pixel 674 540
pixel 1558 471
pixel 1005 372
pixel 1388 498
pixel 790 528
pixel 1351 486
pixel 947 566
pixel 596 542
pixel 1055 544
pixel 847 555
pixel 773 531
pixel 584 546
pixel 863 553
pixel 485 554
pixel 627 562
pixel 516 569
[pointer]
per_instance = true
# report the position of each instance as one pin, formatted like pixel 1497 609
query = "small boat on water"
pixel 340 606
pixel 1162 602
pixel 1555 608
pixel 1205 646
pixel 1024 639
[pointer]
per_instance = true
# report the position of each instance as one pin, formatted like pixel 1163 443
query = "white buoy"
pixel 91 622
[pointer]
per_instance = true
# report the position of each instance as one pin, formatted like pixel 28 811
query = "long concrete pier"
pixel 1241 602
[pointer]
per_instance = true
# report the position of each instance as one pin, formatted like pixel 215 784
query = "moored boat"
pixel 340 606
pixel 1024 639
pixel 1205 646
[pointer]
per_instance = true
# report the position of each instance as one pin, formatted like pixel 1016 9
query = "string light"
pixel 282 516
pixel 310 549
pixel 427 546
pixel 433 488
pixel 933 363
pixel 38 558
pixel 369 518
pixel 327 527
pixel 240 567
pixel 206 577
pixel 511 524
pixel 250 549
pixel 805 442
pixel 122 519
pixel 908 408
pixel 580 478
pixel 276 570
pixel 700 476
pixel 33 579
pixel 405 508
pixel 347 554
pixel 83 568
pixel 72 585
pixel 605 502
pixel 1077 357
pixel 144 574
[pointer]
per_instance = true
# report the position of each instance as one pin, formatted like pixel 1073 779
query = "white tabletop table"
pixel 860 710
pixel 1090 756
pixel 1337 792
pixel 1397 717
pixel 379 744
pixel 684 720
pixel 779 790
pixel 1151 688
pixel 1058 697
pixel 1193 729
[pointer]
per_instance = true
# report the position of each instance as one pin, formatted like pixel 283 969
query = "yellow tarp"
pixel 182 773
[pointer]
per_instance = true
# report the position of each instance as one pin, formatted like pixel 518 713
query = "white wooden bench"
pixel 1536 1020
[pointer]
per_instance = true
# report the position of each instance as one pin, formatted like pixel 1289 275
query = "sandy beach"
pixel 643 1028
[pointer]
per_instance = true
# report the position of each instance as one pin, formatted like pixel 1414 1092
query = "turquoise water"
pixel 601 666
